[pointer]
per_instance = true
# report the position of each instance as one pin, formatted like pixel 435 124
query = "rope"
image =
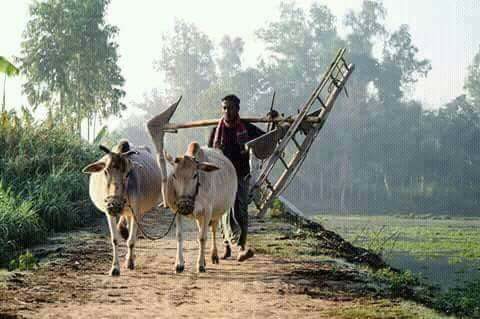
pixel 142 230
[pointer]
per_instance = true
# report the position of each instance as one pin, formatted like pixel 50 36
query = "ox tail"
pixel 122 227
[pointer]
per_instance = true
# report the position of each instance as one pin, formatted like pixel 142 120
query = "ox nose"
pixel 114 205
pixel 185 206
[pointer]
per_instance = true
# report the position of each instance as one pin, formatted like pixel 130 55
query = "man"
pixel 230 136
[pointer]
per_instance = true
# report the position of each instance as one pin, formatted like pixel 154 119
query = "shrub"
pixel 43 187
pixel 25 261
pixel 463 301
pixel 20 224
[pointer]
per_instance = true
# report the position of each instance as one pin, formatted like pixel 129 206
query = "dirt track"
pixel 73 283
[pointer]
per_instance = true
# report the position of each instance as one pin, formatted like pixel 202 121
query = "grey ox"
pixel 126 177
pixel 202 186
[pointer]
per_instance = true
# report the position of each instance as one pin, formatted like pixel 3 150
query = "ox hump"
pixel 193 149
pixel 123 146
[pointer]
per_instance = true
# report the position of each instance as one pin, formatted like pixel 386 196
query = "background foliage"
pixel 380 150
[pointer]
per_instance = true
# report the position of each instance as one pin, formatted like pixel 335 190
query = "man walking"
pixel 230 136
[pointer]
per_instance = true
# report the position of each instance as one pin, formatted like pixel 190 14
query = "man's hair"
pixel 232 98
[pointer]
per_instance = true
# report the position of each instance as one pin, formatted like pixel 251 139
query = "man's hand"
pixel 272 114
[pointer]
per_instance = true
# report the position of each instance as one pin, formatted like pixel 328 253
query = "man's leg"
pixel 230 230
pixel 241 214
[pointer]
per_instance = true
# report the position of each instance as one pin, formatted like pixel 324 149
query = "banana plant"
pixel 8 69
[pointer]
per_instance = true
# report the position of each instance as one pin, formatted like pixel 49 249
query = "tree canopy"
pixel 69 57
pixel 380 149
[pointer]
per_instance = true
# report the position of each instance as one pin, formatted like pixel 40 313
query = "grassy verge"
pixel 42 188
pixel 364 293
pixel 455 240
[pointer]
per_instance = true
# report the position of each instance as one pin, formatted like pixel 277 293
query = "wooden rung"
pixel 296 143
pixel 334 81
pixel 283 162
pixel 269 185
pixel 321 102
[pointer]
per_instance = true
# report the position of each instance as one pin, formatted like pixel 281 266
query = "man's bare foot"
pixel 227 252
pixel 245 254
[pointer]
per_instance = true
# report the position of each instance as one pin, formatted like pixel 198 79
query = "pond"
pixel 444 250
pixel 439 271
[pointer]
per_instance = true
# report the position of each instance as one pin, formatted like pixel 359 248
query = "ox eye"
pixel 195 176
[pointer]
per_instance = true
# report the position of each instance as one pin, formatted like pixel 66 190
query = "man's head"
pixel 230 107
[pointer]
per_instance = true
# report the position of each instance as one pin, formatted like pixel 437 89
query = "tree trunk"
pixel 4 84
pixel 321 185
pixel 94 125
pixel 343 207
pixel 88 128
pixel 387 187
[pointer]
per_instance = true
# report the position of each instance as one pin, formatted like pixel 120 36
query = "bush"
pixel 25 261
pixel 400 284
pixel 43 188
pixel 463 301
pixel 60 205
pixel 277 209
pixel 20 224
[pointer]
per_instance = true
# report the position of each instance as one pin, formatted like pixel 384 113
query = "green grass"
pixel 20 225
pixel 42 188
pixel 426 237
pixel 463 301
pixel 386 309
pixel 381 294
pixel 456 238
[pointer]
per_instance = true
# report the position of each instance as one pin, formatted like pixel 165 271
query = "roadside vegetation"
pixel 71 76
pixel 426 238
pixel 421 236
pixel 382 293
pixel 42 188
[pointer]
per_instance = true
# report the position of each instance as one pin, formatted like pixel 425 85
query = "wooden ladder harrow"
pixel 288 131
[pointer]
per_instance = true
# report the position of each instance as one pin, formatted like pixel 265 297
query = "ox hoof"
pixel 215 259
pixel 201 269
pixel 179 269
pixel 114 272
pixel 130 264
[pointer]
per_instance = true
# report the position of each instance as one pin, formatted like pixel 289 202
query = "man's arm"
pixel 212 137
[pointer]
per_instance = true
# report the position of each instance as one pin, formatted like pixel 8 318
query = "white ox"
pixel 203 186
pixel 125 178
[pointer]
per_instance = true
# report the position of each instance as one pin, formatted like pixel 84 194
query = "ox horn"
pixel 105 149
pixel 156 130
pixel 128 153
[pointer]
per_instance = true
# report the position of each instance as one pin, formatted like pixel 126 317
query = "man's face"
pixel 230 110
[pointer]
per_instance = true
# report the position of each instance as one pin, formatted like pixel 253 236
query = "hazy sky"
pixel 443 30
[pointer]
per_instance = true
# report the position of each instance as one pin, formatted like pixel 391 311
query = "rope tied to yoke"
pixel 142 230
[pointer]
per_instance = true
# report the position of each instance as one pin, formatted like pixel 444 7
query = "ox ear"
pixel 207 167
pixel 94 167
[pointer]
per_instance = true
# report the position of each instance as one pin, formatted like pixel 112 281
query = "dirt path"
pixel 73 283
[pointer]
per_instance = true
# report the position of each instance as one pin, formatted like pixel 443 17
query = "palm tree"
pixel 9 70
